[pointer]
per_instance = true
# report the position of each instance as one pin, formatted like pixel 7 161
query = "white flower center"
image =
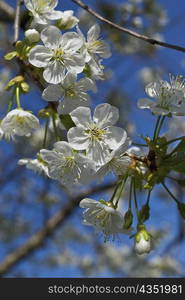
pixel 58 54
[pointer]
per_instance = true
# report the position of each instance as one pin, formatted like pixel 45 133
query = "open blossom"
pixel 102 216
pixel 72 92
pixel 66 165
pixel 117 162
pixel 94 47
pixel 68 20
pixel 96 135
pixel 58 55
pixel 35 165
pixel 43 10
pixel 19 122
pixel 170 97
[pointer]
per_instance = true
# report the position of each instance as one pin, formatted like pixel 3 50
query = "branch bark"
pixel 36 241
pixel 128 31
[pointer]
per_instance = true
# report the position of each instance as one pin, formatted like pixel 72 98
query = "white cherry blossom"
pixel 43 10
pixel 36 165
pixel 66 165
pixel 19 122
pixel 94 47
pixel 68 20
pixel 72 92
pixel 103 216
pixel 98 135
pixel 117 162
pixel 58 55
pixel 170 97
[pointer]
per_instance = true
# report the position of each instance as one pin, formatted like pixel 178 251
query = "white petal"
pixel 40 56
pixel 53 92
pixel 77 138
pixel 81 117
pixel 74 62
pixel 71 41
pixel 64 148
pixel 51 37
pixel 54 73
pixel 93 33
pixel 115 136
pixel 69 104
pixel 105 115
pixel 88 203
pixel 86 84
pixel 54 15
pixel 145 103
pixel 69 79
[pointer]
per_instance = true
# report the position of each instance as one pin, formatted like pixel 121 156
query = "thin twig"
pixel 128 31
pixel 17 21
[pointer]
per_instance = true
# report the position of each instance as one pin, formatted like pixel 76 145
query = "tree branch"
pixel 7 13
pixel 17 21
pixel 36 240
pixel 128 31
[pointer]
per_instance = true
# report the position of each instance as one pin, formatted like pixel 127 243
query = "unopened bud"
pixel 32 35
pixel 142 240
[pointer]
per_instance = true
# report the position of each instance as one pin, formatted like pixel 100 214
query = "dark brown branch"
pixel 36 241
pixel 128 31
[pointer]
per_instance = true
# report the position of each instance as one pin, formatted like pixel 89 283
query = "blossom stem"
pixel 148 197
pixel 115 191
pixel 130 194
pixel 160 126
pixel 55 128
pixel 135 200
pixel 17 92
pixel 122 184
pixel 45 134
pixel 156 127
pixel 169 192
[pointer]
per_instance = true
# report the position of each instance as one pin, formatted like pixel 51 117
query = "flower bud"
pixel 142 240
pixel 32 35
pixel 128 218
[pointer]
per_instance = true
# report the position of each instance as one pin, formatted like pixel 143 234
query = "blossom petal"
pixel 115 136
pixel 105 115
pixel 93 33
pixel 40 56
pixel 54 73
pixel 63 147
pixel 53 92
pixel 77 138
pixel 51 36
pixel 54 15
pixel 71 42
pixel 81 116
pixel 145 103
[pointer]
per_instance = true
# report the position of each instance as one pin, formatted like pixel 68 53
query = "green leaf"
pixel 67 121
pixel 10 55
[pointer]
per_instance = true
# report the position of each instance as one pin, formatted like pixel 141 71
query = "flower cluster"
pixel 69 64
